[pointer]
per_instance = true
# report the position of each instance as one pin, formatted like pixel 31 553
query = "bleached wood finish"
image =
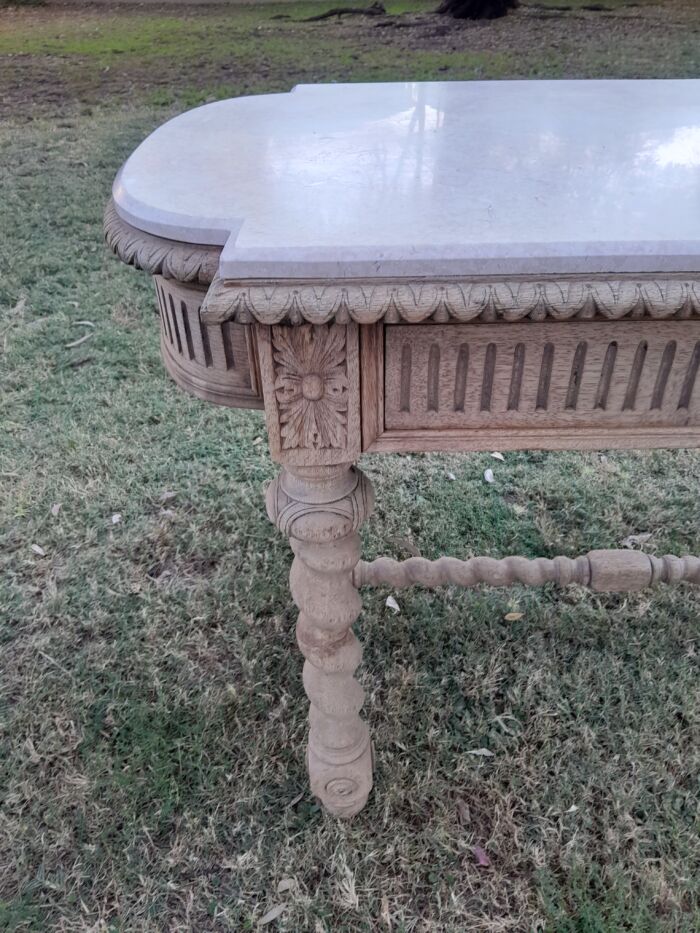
pixel 184 262
pixel 311 376
pixel 320 509
pixel 454 299
pixel 517 375
pixel 216 362
pixel 602 571
pixel 567 385
pixel 448 364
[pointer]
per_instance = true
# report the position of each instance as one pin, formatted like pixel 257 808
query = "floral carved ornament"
pixel 311 385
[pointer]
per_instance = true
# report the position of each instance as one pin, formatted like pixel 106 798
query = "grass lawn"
pixel 152 717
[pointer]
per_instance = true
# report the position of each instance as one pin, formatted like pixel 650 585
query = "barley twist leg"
pixel 320 510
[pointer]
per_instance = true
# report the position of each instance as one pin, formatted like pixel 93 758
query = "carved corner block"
pixel 311 386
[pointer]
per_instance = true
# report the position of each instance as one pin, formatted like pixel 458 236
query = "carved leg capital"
pixel 320 509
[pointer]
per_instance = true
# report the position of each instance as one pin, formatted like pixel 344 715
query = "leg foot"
pixel 343 789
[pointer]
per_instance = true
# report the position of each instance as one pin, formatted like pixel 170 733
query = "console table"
pixel 413 267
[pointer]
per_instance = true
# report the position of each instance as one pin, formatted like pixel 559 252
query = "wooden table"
pixel 413 267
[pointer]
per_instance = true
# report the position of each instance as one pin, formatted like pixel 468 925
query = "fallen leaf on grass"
pixel 451 477
pixel 632 541
pixel 488 476
pixel 513 616
pixel 116 518
pixel 497 455
pixel 501 720
pixel 33 754
pixel 76 343
pixel 271 915
pixel 481 857
pixel 38 550
pixel 482 752
pixel 55 509
pixel 392 604
pixel 463 812
pixel 286 884
pixel 385 914
pixel 608 465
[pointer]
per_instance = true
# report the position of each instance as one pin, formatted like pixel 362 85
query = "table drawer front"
pixel 216 362
pixel 543 376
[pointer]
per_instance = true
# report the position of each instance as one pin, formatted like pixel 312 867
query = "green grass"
pixel 152 719
pixel 181 32
pixel 189 55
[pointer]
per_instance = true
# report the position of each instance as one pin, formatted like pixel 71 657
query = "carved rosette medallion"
pixel 311 385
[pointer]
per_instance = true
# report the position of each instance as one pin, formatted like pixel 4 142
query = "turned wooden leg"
pixel 320 509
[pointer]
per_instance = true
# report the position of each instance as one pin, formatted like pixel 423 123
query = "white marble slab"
pixel 444 178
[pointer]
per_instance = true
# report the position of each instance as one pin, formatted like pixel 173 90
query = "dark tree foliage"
pixel 477 9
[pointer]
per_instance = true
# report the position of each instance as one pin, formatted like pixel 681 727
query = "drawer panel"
pixel 216 362
pixel 542 376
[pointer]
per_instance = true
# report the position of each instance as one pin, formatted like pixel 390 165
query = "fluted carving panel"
pixel 629 374
pixel 213 361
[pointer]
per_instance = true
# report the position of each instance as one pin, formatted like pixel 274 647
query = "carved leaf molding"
pixel 180 261
pixel 441 301
pixel 367 303
pixel 311 385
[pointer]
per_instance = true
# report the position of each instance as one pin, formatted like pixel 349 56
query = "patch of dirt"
pixel 239 57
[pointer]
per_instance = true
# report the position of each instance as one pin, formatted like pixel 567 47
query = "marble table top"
pixel 430 179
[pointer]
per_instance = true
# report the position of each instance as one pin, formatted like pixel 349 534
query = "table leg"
pixel 320 509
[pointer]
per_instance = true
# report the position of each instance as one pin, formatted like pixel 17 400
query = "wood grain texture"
pixel 371 382
pixel 459 441
pixel 215 362
pixel 571 384
pixel 311 382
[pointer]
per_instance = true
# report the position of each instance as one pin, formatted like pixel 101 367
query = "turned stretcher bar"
pixel 603 571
